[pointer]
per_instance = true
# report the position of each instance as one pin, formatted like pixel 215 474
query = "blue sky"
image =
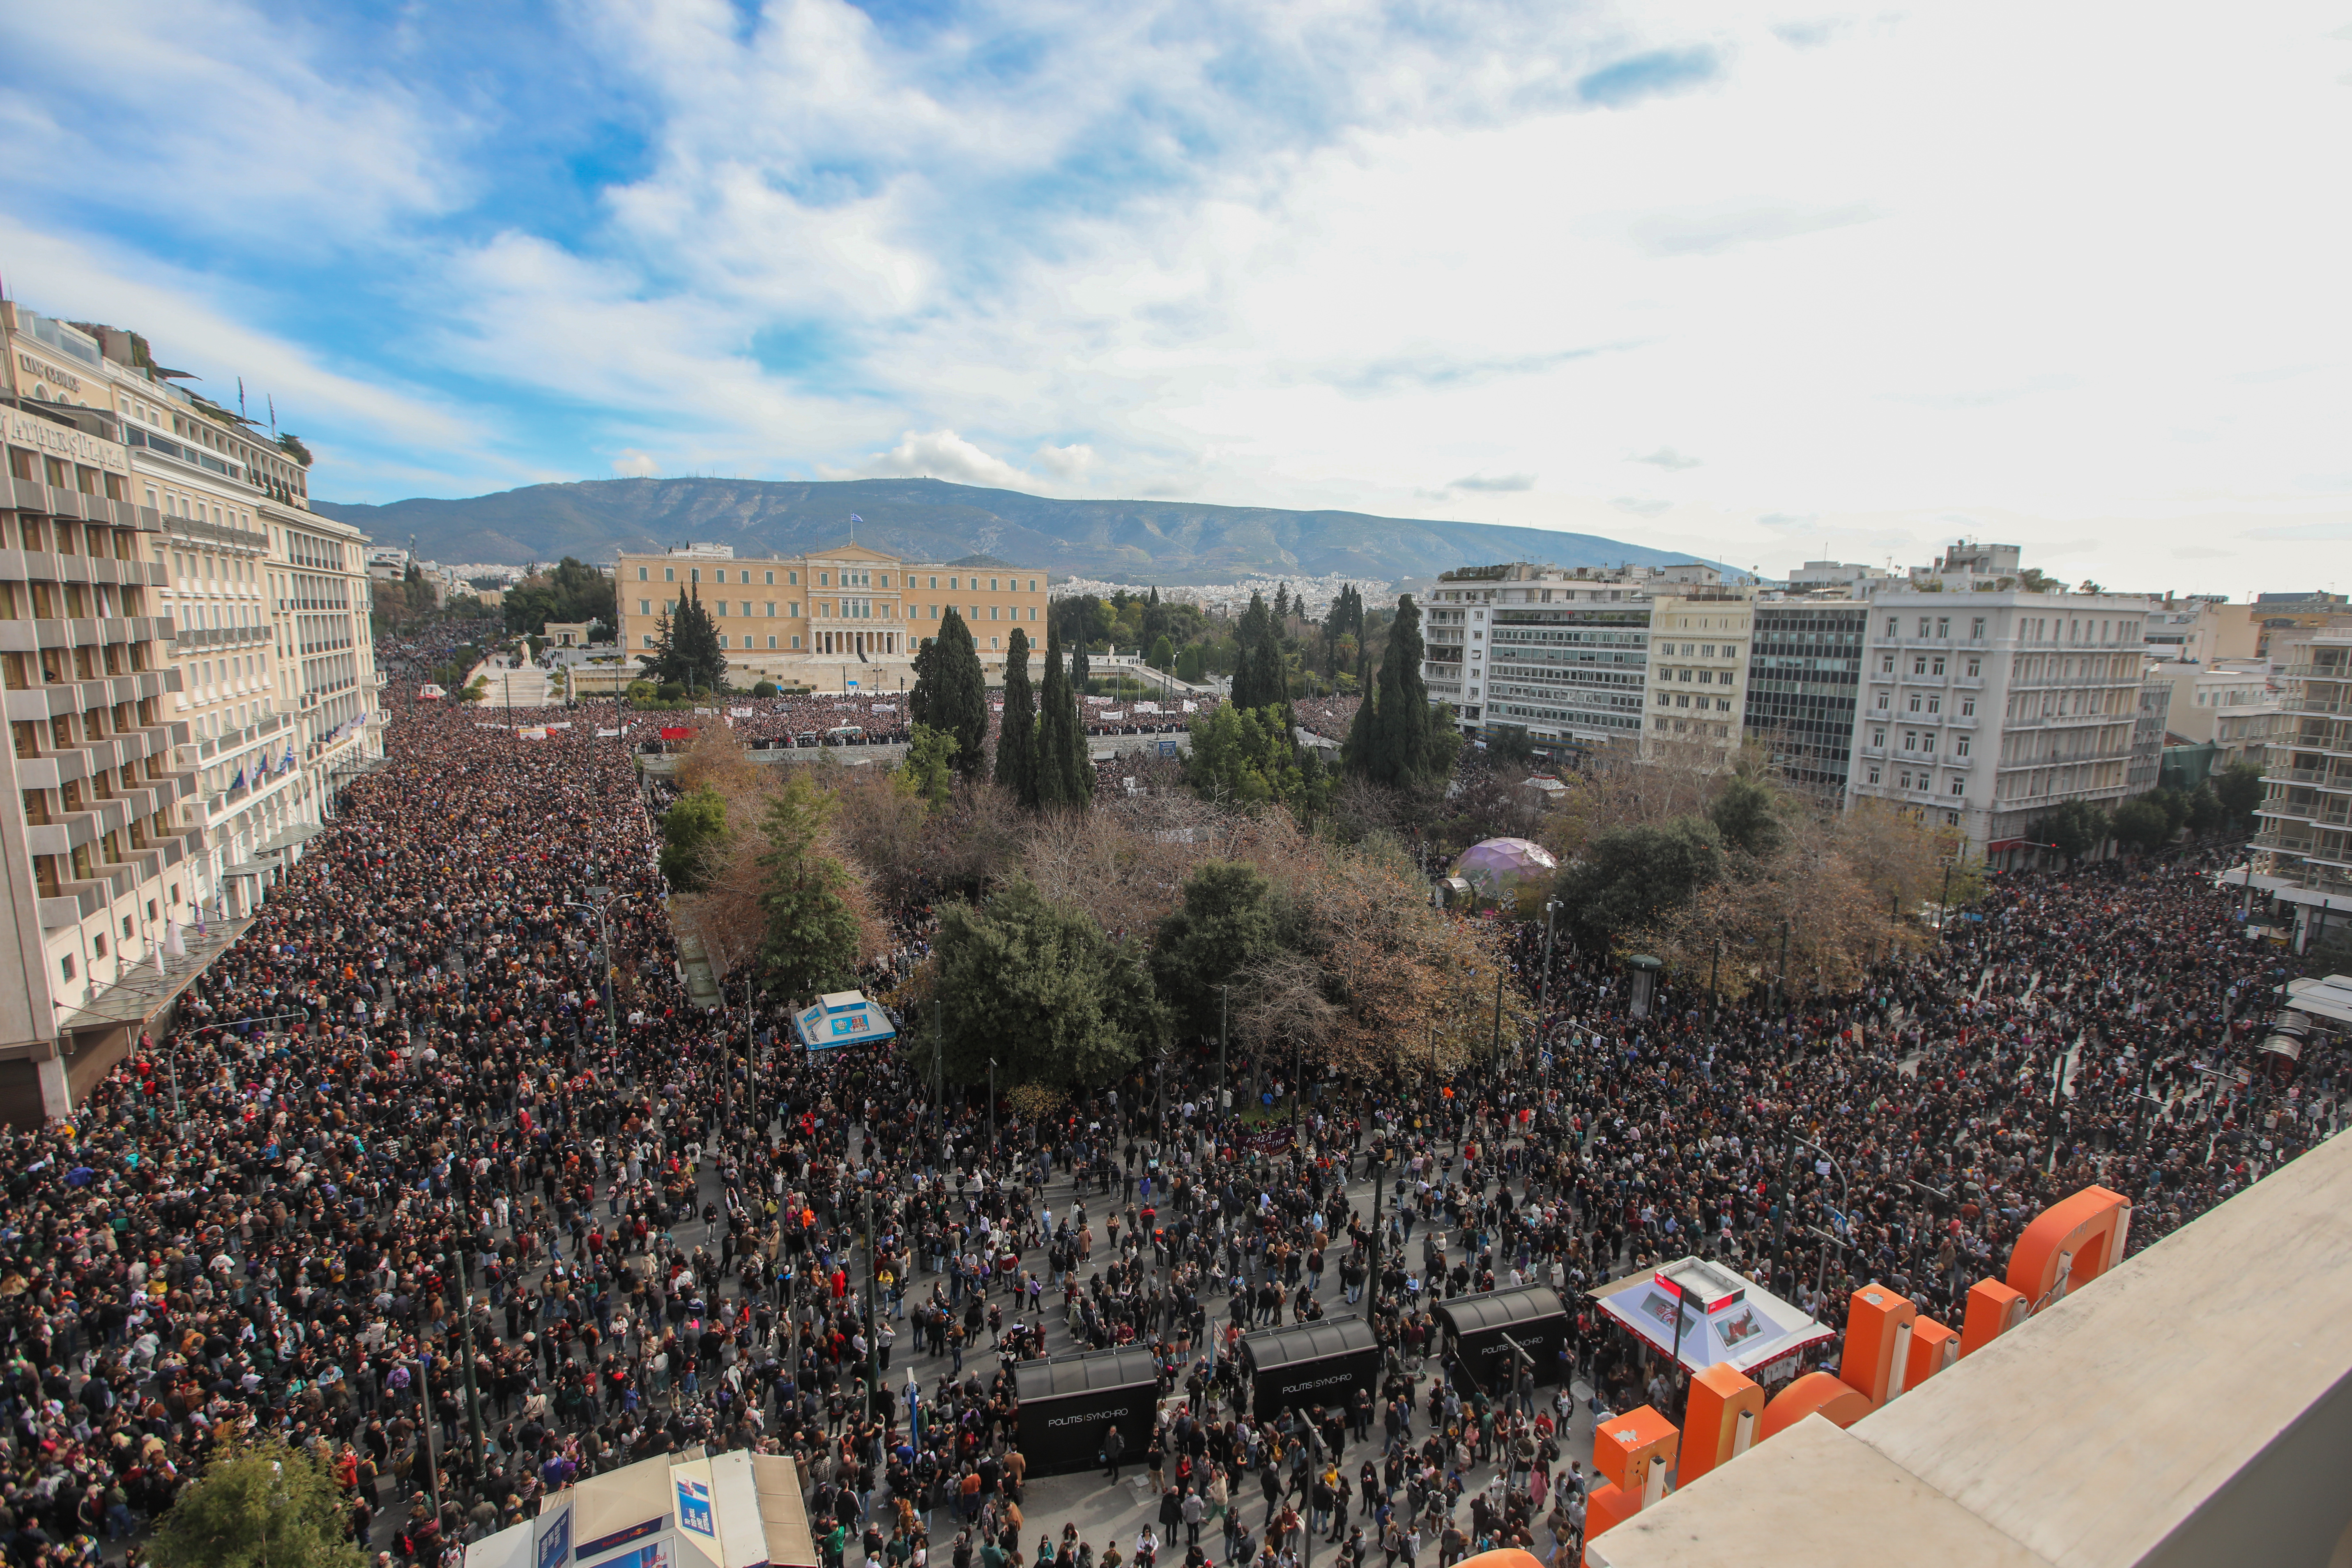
pixel 1761 280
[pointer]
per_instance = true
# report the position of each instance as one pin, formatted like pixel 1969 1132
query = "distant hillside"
pixel 1165 542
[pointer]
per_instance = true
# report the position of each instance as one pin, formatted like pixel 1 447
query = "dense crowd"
pixel 427 1180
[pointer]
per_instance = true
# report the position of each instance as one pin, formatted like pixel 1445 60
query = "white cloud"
pixel 1667 458
pixel 1068 463
pixel 1498 484
pixel 944 455
pixel 634 464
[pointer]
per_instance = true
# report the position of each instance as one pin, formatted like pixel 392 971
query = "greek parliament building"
pixel 850 614
pixel 185 656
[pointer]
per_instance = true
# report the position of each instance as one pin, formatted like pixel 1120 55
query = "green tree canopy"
pixel 1038 986
pixel 1629 876
pixel 572 591
pixel 929 767
pixel 1398 739
pixel 1225 925
pixel 2142 823
pixel 686 645
pixel 1248 757
pixel 1016 739
pixel 2074 829
pixel 2238 788
pixel 951 691
pixel 1065 774
pixel 695 824
pixel 811 944
pixel 1748 815
pixel 265 1506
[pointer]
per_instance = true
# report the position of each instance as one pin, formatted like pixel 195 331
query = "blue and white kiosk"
pixel 843 1018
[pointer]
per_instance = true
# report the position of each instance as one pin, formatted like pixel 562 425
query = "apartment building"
pixel 269 630
pixel 2200 628
pixel 95 858
pixel 2307 810
pixel 1990 708
pixel 1698 667
pixel 828 618
pixel 2226 704
pixel 1563 654
pixel 1804 683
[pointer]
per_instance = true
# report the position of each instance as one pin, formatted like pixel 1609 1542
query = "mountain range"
pixel 930 520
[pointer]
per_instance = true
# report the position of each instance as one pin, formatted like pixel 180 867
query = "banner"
pixel 1192 706
pixel 608 734
pixel 530 731
pixel 677 733
pixel 1147 708
pixel 741 713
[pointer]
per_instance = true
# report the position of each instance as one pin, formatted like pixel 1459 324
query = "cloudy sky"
pixel 1760 280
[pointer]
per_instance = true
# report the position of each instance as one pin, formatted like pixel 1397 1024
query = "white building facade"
pixel 1989 709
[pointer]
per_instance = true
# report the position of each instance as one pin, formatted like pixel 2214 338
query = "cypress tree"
pixel 1395 744
pixel 951 692
pixel 1061 764
pixel 1016 739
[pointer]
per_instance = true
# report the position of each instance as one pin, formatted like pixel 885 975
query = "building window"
pixel 1938 668
pixel 991 642
pixel 1976 667
pixel 1878 737
pixel 1967 707
pixel 1960 747
pixel 1910 740
pixel 649 639
pixel 796 642
pixel 793 578
pixel 1874 775
pixel 1951 819
pixel 770 607
pixel 824 579
pixel 1960 786
pixel 67 964
pixel 1923 625
pixel 1883 701
pixel 1935 705
pixel 1890 626
pixel 1975 632
pixel 1886 663
pixel 772 642
pixel 1943 627
pixel 669 574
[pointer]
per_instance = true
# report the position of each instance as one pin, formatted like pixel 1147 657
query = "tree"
pixel 951 692
pixel 1261 675
pixel 1163 653
pixel 1065 773
pixel 1082 675
pixel 2206 812
pixel 268 1505
pixel 573 591
pixel 1631 876
pixel 691 827
pixel 1224 926
pixel 686 645
pixel 1397 738
pixel 2142 823
pixel 2238 788
pixel 1747 814
pixel 1038 987
pixel 1190 663
pixel 1016 739
pixel 811 931
pixel 929 767
pixel 2074 829
pixel 1246 757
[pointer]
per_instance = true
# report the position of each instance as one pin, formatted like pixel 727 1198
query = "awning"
pixel 142 992
pixel 2330 998
pixel 300 833
pixel 1742 1325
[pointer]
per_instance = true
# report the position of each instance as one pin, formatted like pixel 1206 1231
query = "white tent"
pixel 1725 1317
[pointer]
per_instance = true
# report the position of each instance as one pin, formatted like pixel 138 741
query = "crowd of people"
pixel 438 1173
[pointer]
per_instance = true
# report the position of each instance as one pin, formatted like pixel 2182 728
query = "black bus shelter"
pixel 1307 1365
pixel 1070 1403
pixel 1478 1329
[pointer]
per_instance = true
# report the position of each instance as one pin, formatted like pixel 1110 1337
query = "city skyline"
pixel 1763 288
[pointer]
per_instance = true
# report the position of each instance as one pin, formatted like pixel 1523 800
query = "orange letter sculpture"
pixel 1725 1414
pixel 1634 1451
pixel 2070 1244
pixel 1822 1391
pixel 1993 1310
pixel 1877 1354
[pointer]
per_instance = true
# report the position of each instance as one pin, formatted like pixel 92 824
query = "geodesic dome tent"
pixel 1498 869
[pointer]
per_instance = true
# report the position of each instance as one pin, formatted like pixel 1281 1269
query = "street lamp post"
pixel 602 909
pixel 1846 1204
pixel 1225 1021
pixel 992 1113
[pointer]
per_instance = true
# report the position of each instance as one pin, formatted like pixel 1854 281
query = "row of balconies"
pixel 77 900
pixel 49 566
pixel 31 495
pixel 48 702
pixel 62 832
pixel 27 635
pixel 2308 671
pixel 54 770
pixel 2333 848
pixel 221 636
pixel 2325 778
pixel 2328 811
pixel 2300 703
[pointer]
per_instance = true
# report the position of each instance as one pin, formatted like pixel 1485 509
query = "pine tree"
pixel 1081 672
pixel 951 692
pixel 1016 739
pixel 1282 602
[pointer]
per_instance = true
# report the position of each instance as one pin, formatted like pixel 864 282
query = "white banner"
pixel 1114 713
pixel 740 712
pixel 1192 706
pixel 1147 708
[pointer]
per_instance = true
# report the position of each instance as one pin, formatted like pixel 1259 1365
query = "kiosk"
pixel 1307 1365
pixel 1477 1329
pixel 1070 1403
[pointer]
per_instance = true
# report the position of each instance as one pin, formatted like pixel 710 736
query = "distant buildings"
pixel 2307 810
pixel 828 617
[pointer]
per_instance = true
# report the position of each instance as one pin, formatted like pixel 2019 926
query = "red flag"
pixel 678 732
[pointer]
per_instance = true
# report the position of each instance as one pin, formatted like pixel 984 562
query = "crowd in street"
pixel 439 1173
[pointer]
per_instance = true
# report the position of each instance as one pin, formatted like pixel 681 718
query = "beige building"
pixel 1699 646
pixel 2228 702
pixel 829 617
pixel 216 633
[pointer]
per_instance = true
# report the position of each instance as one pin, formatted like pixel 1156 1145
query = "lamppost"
pixel 1551 915
pixel 992 1113
pixel 1846 1204
pixel 1225 1021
